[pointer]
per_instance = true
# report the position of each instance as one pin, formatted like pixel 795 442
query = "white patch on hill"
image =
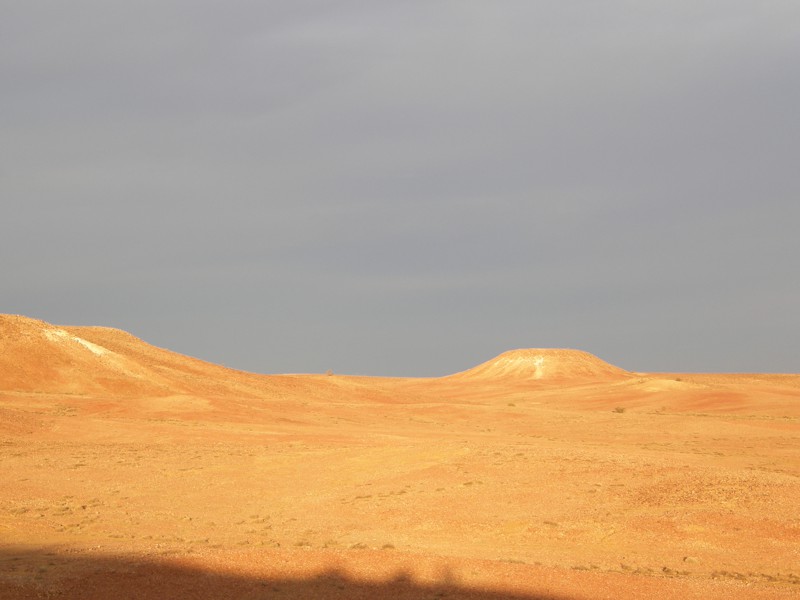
pixel 538 365
pixel 59 335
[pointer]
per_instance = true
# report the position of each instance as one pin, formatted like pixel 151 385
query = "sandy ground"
pixel 132 472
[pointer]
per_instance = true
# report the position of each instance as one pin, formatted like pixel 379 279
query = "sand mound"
pixel 544 364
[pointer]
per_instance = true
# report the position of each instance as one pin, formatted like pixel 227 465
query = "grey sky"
pixel 407 188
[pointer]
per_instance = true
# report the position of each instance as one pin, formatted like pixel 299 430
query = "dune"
pixel 542 474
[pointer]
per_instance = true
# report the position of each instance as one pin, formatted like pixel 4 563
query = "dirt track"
pixel 131 471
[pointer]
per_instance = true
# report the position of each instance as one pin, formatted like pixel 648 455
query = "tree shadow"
pixel 43 573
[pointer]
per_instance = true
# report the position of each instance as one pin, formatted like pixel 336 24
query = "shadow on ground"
pixel 27 574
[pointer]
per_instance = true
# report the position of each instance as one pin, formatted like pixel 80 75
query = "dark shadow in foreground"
pixel 27 574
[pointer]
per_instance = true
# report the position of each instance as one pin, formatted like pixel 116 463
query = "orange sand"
pixel 132 471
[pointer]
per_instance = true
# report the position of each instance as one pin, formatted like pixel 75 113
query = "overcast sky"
pixel 410 187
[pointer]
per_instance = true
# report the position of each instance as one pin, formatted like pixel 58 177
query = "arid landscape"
pixel 130 471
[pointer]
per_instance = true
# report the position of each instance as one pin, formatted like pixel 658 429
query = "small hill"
pixel 543 365
pixel 38 357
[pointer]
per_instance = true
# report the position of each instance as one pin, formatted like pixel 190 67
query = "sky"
pixel 407 188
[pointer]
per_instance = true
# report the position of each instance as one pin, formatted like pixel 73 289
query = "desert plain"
pixel 129 471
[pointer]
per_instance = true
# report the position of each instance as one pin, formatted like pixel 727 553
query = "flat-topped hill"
pixel 544 364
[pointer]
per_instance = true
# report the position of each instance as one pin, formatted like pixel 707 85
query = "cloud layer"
pixel 408 188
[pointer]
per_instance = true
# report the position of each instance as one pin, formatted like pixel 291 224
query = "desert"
pixel 130 471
